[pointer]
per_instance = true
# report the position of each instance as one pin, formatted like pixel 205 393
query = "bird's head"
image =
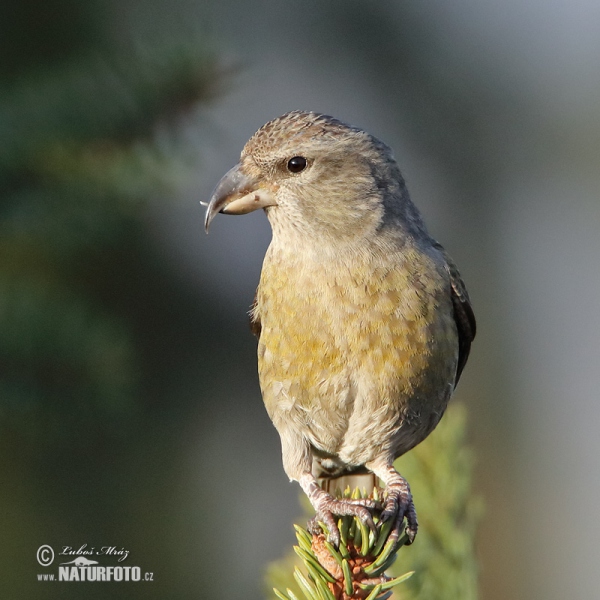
pixel 313 175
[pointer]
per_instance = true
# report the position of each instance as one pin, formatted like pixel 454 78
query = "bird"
pixel 363 321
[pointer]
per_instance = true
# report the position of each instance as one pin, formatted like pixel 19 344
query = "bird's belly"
pixel 379 388
pixel 359 361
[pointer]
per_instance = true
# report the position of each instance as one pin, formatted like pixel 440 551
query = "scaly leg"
pixel 327 507
pixel 399 503
pixel 297 463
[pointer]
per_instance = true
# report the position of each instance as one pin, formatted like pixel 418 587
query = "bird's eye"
pixel 296 164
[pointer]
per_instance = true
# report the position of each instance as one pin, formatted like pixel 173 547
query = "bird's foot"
pixel 328 508
pixel 398 506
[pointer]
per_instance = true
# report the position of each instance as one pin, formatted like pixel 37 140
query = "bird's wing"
pixel 463 312
pixel 255 325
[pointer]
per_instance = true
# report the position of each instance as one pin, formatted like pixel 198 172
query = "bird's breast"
pixel 349 342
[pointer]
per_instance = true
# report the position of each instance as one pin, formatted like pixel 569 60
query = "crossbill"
pixel 364 324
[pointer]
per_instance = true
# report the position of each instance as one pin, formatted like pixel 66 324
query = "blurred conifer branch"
pixel 117 98
pixel 82 147
pixel 442 558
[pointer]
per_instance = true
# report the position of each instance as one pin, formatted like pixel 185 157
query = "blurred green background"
pixel 130 413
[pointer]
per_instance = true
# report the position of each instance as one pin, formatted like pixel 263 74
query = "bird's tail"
pixel 336 485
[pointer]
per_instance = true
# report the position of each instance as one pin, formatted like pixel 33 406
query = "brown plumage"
pixel 364 323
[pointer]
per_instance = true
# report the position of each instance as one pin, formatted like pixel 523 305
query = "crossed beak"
pixel 237 194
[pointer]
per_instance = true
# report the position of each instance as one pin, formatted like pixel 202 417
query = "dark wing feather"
pixel 463 312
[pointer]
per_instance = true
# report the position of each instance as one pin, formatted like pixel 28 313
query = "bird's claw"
pixel 372 505
pixel 398 506
pixel 330 507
